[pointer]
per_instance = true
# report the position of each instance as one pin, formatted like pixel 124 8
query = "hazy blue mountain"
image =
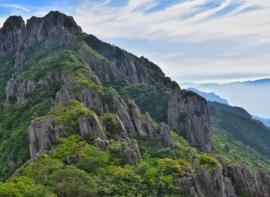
pixel 210 96
pixel 251 95
pixel 265 121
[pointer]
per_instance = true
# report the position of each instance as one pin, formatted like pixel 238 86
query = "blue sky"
pixel 192 40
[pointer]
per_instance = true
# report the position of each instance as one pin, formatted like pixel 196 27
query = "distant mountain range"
pixel 253 96
pixel 212 97
pixel 265 121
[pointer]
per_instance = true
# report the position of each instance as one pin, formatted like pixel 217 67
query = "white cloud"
pixel 14 6
pixel 204 31
pixel 125 21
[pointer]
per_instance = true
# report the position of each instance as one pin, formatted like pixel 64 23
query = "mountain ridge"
pixel 92 119
pixel 210 96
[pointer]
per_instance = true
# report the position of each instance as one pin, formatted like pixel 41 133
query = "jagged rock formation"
pixel 245 180
pixel 43 136
pixel 58 29
pixel 89 74
pixel 131 151
pixel 238 181
pixel 188 114
pixel 205 183
pixel 11 35
pixel 91 127
pixel 164 135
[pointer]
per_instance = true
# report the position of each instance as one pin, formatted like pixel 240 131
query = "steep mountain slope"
pixel 97 121
pixel 230 142
pixel 240 125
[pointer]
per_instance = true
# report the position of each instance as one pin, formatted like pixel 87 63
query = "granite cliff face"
pixel 188 113
pixel 78 77
pixel 12 35
pixel 237 181
pixel 56 29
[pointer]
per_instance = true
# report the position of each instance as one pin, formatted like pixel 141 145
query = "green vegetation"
pixel 149 98
pixel 23 186
pixel 243 193
pixel 61 60
pixel 6 70
pixel 41 62
pixel 76 166
pixel 14 121
pixel 240 126
pixel 111 124
pixel 95 171
pixel 235 152
pixel 68 114
pixel 85 83
pixel 230 142
pixel 208 161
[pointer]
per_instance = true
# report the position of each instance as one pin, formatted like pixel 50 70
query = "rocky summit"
pixel 80 117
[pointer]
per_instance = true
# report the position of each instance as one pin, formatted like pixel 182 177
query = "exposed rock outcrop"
pixel 238 181
pixel 131 150
pixel 246 181
pixel 103 64
pixel 117 104
pixel 149 124
pixel 164 136
pixel 11 35
pixel 18 87
pixel 89 97
pixel 43 136
pixel 137 119
pixel 263 183
pixel 91 127
pixel 55 27
pixel 204 183
pixel 188 113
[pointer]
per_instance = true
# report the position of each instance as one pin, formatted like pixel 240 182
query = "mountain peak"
pixel 12 23
pixel 11 35
pixel 51 21
pixel 54 28
pixel 59 18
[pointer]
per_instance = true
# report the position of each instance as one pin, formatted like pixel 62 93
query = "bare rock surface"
pixel 91 127
pixel 188 113
pixel 131 150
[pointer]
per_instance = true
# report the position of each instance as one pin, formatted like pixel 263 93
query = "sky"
pixel 191 40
